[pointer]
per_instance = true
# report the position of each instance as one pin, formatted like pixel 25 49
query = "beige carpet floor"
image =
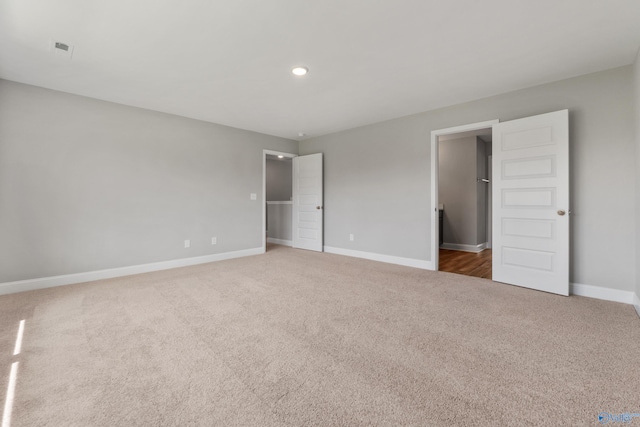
pixel 294 338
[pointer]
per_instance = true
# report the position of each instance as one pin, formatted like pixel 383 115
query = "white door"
pixel 307 202
pixel 489 203
pixel 531 202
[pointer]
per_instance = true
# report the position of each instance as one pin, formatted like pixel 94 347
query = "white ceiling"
pixel 229 61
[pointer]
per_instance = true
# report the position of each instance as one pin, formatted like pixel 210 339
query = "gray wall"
pixel 377 177
pixel 88 185
pixel 457 190
pixel 279 174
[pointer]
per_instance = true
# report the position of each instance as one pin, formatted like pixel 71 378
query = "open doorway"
pixel 461 162
pixel 530 200
pixel 278 195
pixel 463 200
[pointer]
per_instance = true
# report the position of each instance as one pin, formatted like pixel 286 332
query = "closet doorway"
pixel 278 198
pixel 464 202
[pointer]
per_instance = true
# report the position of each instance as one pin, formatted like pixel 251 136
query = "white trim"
pixel 636 303
pixel 280 153
pixel 434 178
pixel 599 292
pixel 279 241
pixel 409 262
pixel 280 203
pixel 70 279
pixel 464 248
pixel 264 190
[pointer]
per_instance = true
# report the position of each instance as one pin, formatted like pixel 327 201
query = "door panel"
pixel 531 202
pixel 307 202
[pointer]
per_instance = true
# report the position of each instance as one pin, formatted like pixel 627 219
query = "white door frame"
pixel 434 179
pixel 264 192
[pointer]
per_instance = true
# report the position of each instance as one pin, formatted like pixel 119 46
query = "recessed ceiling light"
pixel 281 157
pixel 300 71
pixel 302 134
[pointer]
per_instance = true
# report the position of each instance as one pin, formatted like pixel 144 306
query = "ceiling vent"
pixel 60 49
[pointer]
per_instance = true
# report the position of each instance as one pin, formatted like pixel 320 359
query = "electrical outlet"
pixel 187 244
pixel 253 196
pixel 351 237
pixel 214 240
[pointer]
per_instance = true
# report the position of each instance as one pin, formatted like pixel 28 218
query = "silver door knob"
pixel 561 212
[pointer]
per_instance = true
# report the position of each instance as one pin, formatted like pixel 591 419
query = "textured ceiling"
pixel 229 61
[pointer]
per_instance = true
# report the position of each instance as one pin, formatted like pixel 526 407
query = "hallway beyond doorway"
pixel 467 263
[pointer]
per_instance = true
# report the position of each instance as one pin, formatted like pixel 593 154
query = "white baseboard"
pixel 409 262
pixel 599 292
pixel 464 248
pixel 69 279
pixel 636 303
pixel 279 241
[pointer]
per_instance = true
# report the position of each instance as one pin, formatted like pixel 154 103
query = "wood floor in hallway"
pixel 467 263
